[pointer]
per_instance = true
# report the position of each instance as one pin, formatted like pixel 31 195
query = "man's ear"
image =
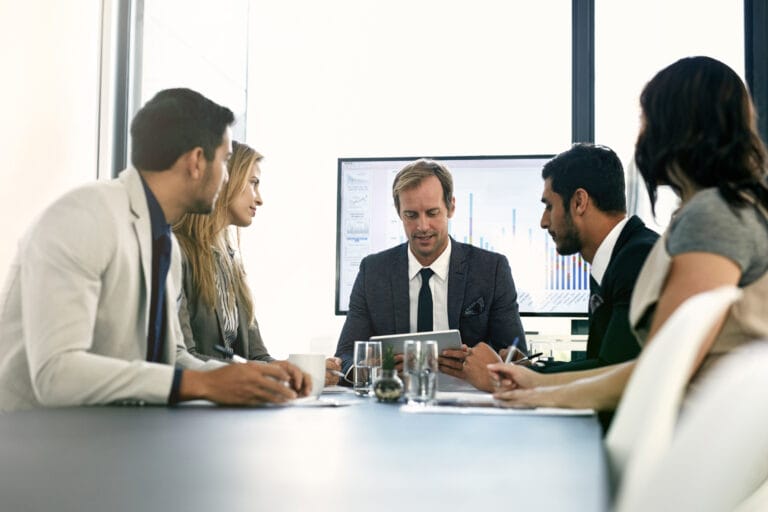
pixel 195 162
pixel 579 202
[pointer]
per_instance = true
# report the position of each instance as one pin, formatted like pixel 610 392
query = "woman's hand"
pixel 514 376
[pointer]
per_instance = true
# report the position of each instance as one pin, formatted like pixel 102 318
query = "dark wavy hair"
pixel 698 118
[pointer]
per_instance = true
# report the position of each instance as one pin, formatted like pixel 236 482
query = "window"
pixel 198 44
pixel 635 40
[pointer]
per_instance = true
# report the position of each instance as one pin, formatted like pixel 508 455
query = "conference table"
pixel 365 456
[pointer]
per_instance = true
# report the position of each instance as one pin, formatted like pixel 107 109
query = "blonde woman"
pixel 217 306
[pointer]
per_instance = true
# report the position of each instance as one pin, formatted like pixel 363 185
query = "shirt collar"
pixel 440 266
pixel 156 216
pixel 603 254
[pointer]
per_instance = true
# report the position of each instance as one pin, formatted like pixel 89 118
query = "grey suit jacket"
pixel 202 328
pixel 482 300
pixel 75 306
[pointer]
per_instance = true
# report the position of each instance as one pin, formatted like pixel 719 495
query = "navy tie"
pixel 424 319
pixel 161 260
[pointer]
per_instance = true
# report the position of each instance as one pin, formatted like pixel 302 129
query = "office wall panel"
pixel 49 99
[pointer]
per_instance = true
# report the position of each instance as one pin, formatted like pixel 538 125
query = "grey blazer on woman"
pixel 202 329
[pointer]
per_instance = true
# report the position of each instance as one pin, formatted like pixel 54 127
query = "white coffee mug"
pixel 314 365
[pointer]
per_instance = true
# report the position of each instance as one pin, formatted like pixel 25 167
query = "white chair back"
pixel 718 459
pixel 647 414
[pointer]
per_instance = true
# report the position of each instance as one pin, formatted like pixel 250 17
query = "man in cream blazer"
pixel 76 305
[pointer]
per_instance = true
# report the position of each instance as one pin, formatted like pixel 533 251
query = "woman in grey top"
pixel 698 137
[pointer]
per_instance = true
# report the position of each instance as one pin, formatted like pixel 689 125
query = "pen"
pixel 512 349
pixel 528 358
pixel 341 374
pixel 228 353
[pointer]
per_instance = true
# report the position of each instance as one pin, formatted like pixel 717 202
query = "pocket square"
pixel 477 307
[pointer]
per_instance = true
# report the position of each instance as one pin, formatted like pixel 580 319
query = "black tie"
pixel 595 300
pixel 424 319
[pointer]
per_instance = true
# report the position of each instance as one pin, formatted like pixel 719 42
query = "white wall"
pixel 49 98
pixel 350 78
pixel 626 59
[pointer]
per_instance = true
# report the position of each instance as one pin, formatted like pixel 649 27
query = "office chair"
pixel 645 420
pixel 718 458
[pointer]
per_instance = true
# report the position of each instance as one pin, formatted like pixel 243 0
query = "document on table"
pixel 311 401
pixel 337 390
pixel 483 403
pixel 308 401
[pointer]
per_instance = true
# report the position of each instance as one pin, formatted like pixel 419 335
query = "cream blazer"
pixel 75 305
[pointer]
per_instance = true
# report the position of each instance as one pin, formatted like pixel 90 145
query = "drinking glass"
pixel 420 371
pixel 367 360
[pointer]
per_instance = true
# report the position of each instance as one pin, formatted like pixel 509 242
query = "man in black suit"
pixel 431 282
pixel 585 211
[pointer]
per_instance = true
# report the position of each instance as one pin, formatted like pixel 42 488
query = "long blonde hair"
pixel 202 236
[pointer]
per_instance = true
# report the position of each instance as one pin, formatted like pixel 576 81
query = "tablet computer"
pixel 445 339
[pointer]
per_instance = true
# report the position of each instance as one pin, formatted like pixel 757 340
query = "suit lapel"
pixel 457 283
pixel 242 329
pixel 143 230
pixel 400 295
pixel 173 286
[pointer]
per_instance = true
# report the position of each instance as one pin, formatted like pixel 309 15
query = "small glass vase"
pixel 388 387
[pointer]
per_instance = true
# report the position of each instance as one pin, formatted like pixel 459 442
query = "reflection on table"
pixel 364 456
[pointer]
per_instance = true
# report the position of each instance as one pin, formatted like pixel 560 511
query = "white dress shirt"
pixel 603 254
pixel 438 285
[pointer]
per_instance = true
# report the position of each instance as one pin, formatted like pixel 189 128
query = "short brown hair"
pixel 412 175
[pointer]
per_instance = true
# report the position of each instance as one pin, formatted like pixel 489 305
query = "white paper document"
pixel 483 403
pixel 311 401
pixel 337 390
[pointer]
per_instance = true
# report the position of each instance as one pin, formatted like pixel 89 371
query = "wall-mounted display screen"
pixel 498 207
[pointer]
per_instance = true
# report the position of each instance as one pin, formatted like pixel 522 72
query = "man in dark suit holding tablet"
pixel 432 282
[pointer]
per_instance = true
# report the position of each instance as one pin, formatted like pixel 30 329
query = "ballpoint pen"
pixel 528 358
pixel 341 374
pixel 228 353
pixel 512 349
